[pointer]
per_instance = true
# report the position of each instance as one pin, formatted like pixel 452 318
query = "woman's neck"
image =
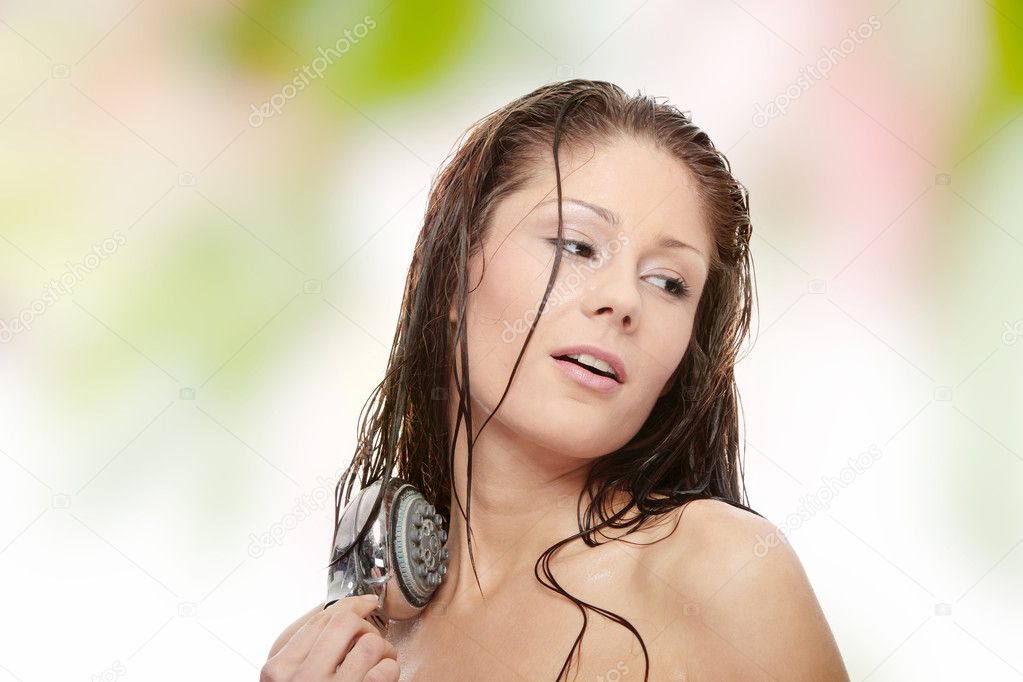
pixel 524 500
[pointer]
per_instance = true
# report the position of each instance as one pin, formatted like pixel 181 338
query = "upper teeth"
pixel 593 362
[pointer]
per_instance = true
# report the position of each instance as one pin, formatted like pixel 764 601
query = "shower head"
pixel 402 559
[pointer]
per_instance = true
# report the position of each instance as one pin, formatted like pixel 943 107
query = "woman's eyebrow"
pixel 672 243
pixel 606 214
pixel 612 219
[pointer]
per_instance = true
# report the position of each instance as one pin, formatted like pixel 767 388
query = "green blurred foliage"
pixel 409 45
pixel 195 311
pixel 1007 17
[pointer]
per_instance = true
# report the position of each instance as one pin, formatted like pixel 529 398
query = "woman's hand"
pixel 336 644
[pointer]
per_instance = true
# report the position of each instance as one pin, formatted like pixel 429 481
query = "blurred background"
pixel 207 211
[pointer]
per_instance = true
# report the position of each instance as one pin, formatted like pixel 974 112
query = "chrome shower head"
pixel 402 558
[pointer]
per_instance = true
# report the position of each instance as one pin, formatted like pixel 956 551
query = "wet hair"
pixel 688 448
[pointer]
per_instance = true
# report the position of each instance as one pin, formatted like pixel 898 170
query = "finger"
pixel 301 643
pixel 337 637
pixel 368 651
pixel 384 649
pixel 386 670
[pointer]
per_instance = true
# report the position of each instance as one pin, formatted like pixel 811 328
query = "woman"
pixel 603 476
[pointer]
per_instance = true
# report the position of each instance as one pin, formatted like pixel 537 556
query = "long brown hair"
pixel 688 448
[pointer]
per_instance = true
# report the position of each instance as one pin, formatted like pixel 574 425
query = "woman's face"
pixel 622 288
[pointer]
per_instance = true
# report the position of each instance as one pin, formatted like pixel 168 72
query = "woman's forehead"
pixel 629 186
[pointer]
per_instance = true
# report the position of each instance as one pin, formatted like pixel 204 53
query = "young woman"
pixel 585 260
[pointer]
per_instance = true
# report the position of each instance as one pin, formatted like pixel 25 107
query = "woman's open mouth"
pixel 590 377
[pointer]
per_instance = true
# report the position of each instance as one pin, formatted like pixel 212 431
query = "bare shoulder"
pixel 289 631
pixel 734 575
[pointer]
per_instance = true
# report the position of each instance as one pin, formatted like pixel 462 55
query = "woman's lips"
pixel 587 378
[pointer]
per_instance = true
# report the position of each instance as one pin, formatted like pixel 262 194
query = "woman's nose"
pixel 610 291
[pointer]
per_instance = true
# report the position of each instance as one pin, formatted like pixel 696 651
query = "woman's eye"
pixel 675 287
pixel 584 249
pixel 672 285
